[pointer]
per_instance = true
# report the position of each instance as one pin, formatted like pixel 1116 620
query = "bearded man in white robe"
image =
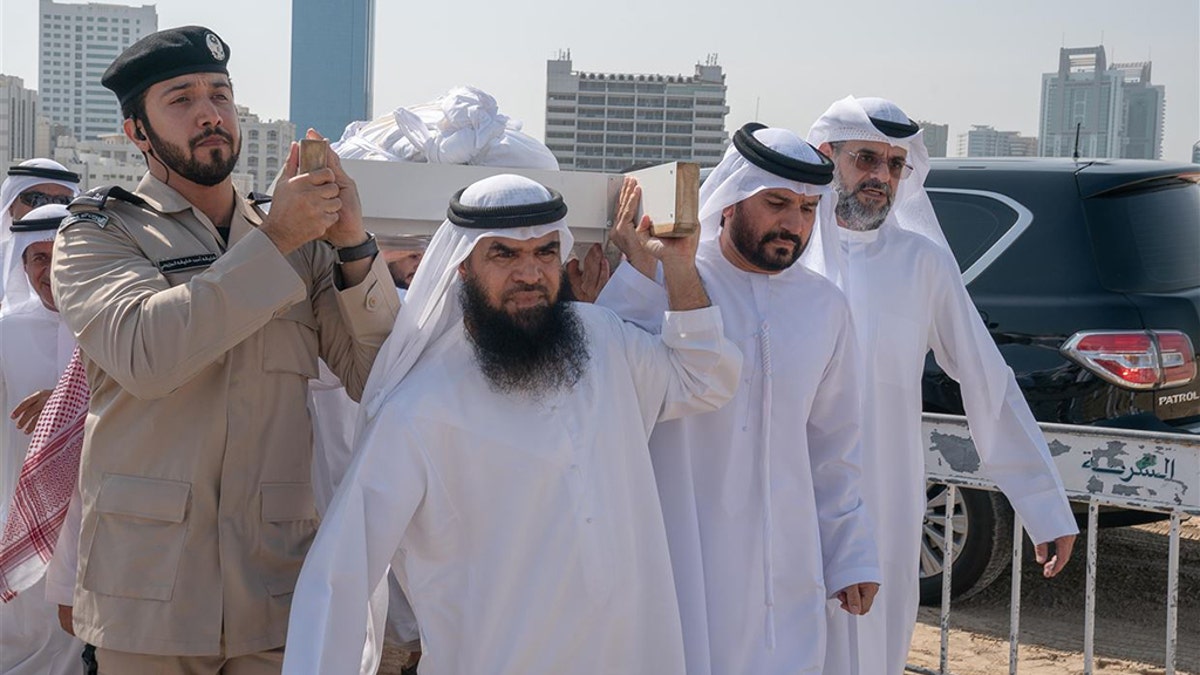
pixel 761 498
pixel 501 464
pixel 35 347
pixel 907 297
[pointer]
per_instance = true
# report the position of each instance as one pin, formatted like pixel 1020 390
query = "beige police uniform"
pixel 195 477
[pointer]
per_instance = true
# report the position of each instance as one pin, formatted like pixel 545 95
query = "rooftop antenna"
pixel 1078 126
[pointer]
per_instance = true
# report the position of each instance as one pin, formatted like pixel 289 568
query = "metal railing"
pixel 1103 467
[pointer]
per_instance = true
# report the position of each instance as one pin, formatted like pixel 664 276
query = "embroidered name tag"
pixel 85 217
pixel 186 263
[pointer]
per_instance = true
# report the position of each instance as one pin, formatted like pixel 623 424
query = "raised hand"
pixel 303 207
pixel 348 230
pixel 589 278
pixel 642 249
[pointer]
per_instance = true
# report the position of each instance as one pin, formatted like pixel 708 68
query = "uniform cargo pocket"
pixel 289 522
pixel 140 533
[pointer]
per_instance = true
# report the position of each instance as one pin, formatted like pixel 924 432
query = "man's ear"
pixel 826 149
pixel 727 213
pixel 133 131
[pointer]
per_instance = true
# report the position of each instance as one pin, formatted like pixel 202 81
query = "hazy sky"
pixel 958 62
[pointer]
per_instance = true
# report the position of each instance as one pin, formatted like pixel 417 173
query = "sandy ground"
pixel 1131 614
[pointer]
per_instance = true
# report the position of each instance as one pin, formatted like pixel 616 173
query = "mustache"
pixel 783 235
pixel 525 288
pixel 210 131
pixel 874 184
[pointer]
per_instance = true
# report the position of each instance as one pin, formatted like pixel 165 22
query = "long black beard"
pixel 760 252
pixel 855 215
pixel 535 352
pixel 208 174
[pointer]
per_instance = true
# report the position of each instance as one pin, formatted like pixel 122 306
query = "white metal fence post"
pixel 1014 608
pixel 947 569
pixel 1172 593
pixel 1089 615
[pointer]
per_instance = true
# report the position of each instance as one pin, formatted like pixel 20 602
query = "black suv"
pixel 1087 275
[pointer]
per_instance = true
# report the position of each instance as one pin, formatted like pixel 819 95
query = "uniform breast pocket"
pixel 140 533
pixel 290 343
pixel 898 351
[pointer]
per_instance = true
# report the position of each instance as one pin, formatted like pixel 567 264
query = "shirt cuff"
pixel 692 321
pixel 369 308
pixel 835 582
pixel 60 594
pixel 1046 515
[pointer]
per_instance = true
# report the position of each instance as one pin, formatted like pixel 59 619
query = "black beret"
pixel 163 55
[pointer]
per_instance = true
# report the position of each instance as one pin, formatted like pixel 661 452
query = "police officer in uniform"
pixel 202 320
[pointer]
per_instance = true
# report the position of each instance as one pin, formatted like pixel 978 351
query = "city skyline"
pixel 943 61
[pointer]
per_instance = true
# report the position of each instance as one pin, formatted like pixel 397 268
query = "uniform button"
pixel 371 302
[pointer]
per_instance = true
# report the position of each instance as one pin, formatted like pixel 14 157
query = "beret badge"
pixel 214 46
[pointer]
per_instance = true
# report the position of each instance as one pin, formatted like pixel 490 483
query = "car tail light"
pixel 1178 358
pixel 1151 359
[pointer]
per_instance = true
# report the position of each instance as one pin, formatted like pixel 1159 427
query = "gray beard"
pixel 853 214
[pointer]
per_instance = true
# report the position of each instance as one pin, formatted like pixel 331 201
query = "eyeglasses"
pixel 34 199
pixel 869 162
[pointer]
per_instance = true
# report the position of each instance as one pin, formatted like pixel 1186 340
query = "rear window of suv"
pixel 1147 239
pixel 972 221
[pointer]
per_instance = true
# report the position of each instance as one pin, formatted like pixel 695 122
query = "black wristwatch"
pixel 366 249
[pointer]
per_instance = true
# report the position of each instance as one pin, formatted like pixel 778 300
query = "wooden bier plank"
pixel 312 154
pixel 671 197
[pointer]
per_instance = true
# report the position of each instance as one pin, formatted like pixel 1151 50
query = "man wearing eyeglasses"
pixel 28 185
pixel 906 297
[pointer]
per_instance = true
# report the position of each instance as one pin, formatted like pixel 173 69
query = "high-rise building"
pixel 332 57
pixel 1143 107
pixel 18 121
pixel 264 147
pixel 1196 153
pixel 611 121
pixel 76 44
pixel 984 141
pixel 936 137
pixel 1110 111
